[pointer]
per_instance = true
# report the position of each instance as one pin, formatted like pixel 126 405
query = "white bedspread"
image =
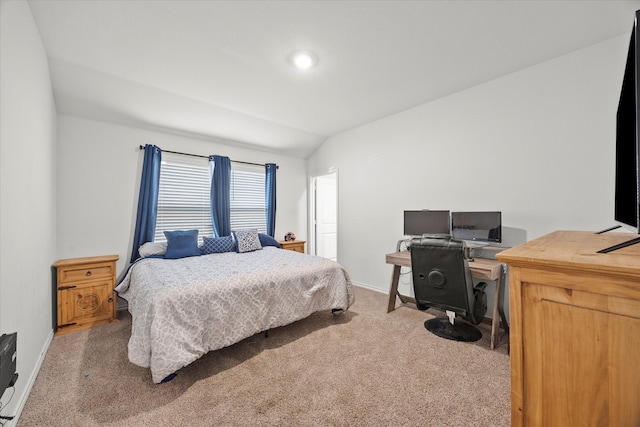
pixel 184 308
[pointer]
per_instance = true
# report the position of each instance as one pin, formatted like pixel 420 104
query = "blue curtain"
pixel 220 195
pixel 147 199
pixel 270 194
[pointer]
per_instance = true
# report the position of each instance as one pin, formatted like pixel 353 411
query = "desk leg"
pixel 495 322
pixel 393 290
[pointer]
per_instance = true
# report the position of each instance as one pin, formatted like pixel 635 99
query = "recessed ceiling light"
pixel 303 60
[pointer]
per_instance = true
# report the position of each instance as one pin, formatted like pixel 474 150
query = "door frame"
pixel 312 231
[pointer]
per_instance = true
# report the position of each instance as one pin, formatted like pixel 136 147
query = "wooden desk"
pixel 481 268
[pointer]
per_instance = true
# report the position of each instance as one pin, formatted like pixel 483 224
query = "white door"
pixel 326 216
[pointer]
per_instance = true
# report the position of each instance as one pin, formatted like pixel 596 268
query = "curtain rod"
pixel 206 157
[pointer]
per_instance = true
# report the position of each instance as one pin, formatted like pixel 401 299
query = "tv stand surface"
pixel 620 246
pixel 615 247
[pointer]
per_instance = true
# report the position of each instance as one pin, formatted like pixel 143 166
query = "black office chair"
pixel 441 279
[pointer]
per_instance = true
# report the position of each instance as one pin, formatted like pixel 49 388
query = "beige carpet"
pixel 364 368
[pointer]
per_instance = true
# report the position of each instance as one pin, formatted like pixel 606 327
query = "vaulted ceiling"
pixel 220 69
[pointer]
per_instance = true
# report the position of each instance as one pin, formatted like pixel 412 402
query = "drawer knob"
pixel 88 273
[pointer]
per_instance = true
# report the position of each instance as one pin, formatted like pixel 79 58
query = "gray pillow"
pixel 247 240
pixel 152 248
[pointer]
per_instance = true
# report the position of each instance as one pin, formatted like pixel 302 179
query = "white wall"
pixel 27 194
pixel 537 145
pixel 99 167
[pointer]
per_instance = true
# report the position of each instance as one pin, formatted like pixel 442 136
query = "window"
pixel 183 196
pixel 248 204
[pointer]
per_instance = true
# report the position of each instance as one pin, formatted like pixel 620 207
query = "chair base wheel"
pixel 458 332
pixel 421 306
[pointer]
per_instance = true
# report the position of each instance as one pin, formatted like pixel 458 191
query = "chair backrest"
pixel 441 276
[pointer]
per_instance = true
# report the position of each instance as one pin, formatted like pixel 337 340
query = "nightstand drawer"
pixel 84 273
pixel 293 245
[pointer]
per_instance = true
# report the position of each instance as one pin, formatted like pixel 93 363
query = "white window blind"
pixel 248 205
pixel 183 196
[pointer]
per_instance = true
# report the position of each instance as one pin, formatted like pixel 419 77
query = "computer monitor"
pixel 477 227
pixel 426 222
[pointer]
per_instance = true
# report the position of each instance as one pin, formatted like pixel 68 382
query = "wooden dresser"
pixel 85 292
pixel 293 245
pixel 575 331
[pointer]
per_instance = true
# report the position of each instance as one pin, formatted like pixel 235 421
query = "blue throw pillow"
pixel 217 245
pixel 181 244
pixel 266 240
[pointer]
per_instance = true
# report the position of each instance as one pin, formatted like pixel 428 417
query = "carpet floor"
pixel 363 368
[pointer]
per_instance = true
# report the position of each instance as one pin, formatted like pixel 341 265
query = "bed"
pixel 183 308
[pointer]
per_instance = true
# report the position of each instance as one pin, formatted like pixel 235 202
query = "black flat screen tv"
pixel 426 222
pixel 627 203
pixel 627 175
pixel 483 227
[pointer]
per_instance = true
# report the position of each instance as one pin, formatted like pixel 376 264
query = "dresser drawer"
pixel 84 273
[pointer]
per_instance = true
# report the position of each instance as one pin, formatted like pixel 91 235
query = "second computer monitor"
pixel 477 226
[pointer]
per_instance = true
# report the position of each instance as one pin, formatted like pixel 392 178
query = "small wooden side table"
pixel 293 245
pixel 85 295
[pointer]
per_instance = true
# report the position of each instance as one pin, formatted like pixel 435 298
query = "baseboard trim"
pixel 371 288
pixel 31 382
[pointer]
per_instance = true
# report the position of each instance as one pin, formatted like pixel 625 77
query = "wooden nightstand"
pixel 293 245
pixel 85 292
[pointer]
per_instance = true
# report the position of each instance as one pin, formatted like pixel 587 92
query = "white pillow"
pixel 152 248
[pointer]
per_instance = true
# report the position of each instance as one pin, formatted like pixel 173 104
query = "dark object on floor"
pixel 459 331
pixel 8 355
pixel 169 378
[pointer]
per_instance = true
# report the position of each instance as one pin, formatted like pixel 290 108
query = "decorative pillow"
pixel 217 245
pixel 152 248
pixel 247 240
pixel 266 240
pixel 181 244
